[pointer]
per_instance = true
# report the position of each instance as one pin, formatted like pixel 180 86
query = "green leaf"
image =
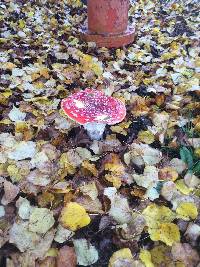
pixel 187 156
pixel 196 168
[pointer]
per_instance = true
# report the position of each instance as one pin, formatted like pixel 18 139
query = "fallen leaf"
pixel 90 190
pixel 141 154
pixel 192 233
pixel 187 211
pixel 16 115
pixel 168 173
pixel 160 255
pixel 37 178
pixel 185 253
pixel 114 164
pixel 85 252
pixel 178 165
pixel 146 137
pixel 145 256
pixel 63 234
pixel 22 150
pixel 119 209
pixel 181 186
pixel 74 216
pixel 66 257
pixel 22 237
pixel 191 180
pixel 24 208
pixel 41 220
pixel 148 179
pixel 154 215
pixel 165 232
pixel 10 192
pixel 114 179
pixel 123 258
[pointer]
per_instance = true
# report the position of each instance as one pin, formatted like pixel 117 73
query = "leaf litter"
pixel 130 199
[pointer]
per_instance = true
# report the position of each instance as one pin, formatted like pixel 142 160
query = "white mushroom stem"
pixel 95 129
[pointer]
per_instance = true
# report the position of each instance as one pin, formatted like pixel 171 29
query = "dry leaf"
pixel 66 257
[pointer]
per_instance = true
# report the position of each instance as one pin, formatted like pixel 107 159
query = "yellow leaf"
pixel 6 121
pixel 197 152
pixel 120 128
pixel 90 167
pixel 139 106
pixel 146 137
pixel 181 186
pixel 180 264
pixel 155 214
pixel 155 30
pixel 145 257
pixel 74 3
pixel 121 254
pixel 89 63
pixel 187 211
pixel 53 22
pixel 24 128
pixel 21 24
pixel 8 66
pixel 14 173
pixel 44 72
pixel 169 55
pixel 30 14
pixel 7 93
pixel 158 220
pixel 114 179
pixel 52 252
pixel 74 216
pixel 66 166
pixel 114 165
pixel 166 232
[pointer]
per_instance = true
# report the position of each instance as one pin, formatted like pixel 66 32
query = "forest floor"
pixel 131 199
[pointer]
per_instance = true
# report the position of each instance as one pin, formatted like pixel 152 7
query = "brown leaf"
pixel 10 192
pixel 66 257
pixel 185 253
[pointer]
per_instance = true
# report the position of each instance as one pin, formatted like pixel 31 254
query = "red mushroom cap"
pixel 93 106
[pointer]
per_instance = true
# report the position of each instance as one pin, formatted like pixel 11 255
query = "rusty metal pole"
pixel 108 23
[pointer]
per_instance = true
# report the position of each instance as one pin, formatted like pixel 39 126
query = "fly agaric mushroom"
pixel 93 109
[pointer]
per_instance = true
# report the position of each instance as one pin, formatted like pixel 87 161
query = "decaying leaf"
pixel 185 253
pixel 66 257
pixel 41 220
pixel 141 154
pixel 86 253
pixel 123 258
pixel 10 192
pixel 149 178
pixel 160 255
pixel 63 234
pixel 146 137
pixel 22 237
pixel 119 209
